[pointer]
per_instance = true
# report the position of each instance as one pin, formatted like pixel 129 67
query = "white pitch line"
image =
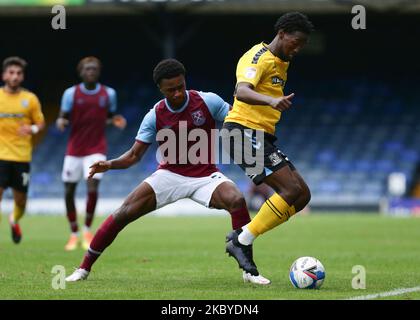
pixel 395 292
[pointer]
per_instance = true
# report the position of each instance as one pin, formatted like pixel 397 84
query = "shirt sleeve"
pixel 249 70
pixel 112 94
pixel 147 130
pixel 36 112
pixel 67 100
pixel 217 106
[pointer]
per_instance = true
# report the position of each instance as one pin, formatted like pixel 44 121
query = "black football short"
pixel 253 150
pixel 15 175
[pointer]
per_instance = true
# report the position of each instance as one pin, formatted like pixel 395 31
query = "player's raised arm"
pixel 245 92
pixel 125 161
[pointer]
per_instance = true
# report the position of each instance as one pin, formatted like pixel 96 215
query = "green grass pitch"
pixel 183 258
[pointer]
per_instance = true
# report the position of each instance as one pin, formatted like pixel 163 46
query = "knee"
pixel 235 200
pixel 69 192
pixel 20 202
pixel 306 195
pixel 293 191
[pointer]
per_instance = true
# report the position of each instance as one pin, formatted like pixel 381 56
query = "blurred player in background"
pixel 20 119
pixel 87 107
pixel 259 102
pixel 202 182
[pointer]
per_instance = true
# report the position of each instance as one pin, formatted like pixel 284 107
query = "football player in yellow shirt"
pixel 259 102
pixel 20 119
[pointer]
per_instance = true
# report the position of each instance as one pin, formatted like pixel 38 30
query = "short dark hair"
pixel 14 61
pixel 87 60
pixel 294 21
pixel 167 69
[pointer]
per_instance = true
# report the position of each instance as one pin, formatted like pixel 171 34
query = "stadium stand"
pixel 345 137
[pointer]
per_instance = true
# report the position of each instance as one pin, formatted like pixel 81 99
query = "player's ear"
pixel 281 34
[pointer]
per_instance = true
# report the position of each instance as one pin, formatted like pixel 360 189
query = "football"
pixel 307 273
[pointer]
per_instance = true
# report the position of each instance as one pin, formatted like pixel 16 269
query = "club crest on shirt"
pixel 277 80
pixel 274 158
pixel 80 101
pixel 102 101
pixel 25 103
pixel 198 117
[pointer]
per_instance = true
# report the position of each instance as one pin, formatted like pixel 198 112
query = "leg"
pixel 305 195
pixel 92 189
pixel 70 190
pixel 19 184
pixel 20 199
pixel 280 206
pixel 71 175
pixel 227 196
pixel 92 198
pixel 141 201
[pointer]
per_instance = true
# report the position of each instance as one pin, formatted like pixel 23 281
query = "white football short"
pixel 170 187
pixel 76 168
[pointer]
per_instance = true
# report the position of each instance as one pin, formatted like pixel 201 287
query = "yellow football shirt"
pixel 16 109
pixel 268 74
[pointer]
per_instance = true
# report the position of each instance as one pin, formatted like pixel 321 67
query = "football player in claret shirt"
pixel 20 119
pixel 259 102
pixel 87 108
pixel 202 182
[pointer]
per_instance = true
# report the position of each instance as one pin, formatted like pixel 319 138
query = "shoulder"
pixel 209 96
pixel 109 90
pixel 256 54
pixel 27 94
pixel 70 90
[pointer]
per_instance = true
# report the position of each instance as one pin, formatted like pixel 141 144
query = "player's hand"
pixel 119 121
pixel 25 130
pixel 61 124
pixel 99 166
pixel 282 103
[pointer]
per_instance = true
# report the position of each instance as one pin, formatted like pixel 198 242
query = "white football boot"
pixel 77 275
pixel 255 279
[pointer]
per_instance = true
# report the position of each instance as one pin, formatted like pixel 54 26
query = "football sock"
pixel 102 239
pixel 90 207
pixel 272 213
pixel 71 216
pixel 18 212
pixel 240 217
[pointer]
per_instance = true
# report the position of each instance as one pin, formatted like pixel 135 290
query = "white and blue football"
pixel 307 273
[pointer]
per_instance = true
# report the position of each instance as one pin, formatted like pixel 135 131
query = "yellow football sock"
pixel 292 210
pixel 18 213
pixel 272 213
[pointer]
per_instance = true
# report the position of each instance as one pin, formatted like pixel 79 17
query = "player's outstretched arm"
pixel 125 161
pixel 245 92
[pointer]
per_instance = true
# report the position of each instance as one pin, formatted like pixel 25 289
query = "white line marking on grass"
pixel 395 292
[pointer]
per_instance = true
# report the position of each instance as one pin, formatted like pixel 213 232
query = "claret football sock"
pixel 240 217
pixel 90 207
pixel 102 239
pixel 72 218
